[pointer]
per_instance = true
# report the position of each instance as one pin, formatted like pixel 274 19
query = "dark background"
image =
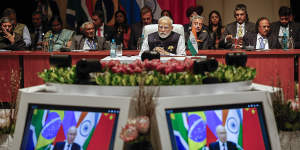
pixel 24 8
pixel 296 12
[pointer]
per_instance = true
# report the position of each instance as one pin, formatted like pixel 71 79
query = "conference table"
pixel 273 67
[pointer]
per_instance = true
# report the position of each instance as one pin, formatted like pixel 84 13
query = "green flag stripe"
pixel 87 141
pixel 191 48
pixel 240 138
pixel 37 121
pixel 178 125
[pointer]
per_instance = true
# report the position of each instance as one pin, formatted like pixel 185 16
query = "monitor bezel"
pixel 35 95
pixel 212 100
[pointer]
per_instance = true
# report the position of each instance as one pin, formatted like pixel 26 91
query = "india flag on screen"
pixel 234 126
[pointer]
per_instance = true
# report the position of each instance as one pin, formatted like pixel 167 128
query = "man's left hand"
pixel 161 51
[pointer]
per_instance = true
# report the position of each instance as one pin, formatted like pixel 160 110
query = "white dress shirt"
pixel 282 30
pixel 180 51
pixel 67 146
pixel 258 42
pixel 223 146
pixel 237 29
pixel 101 31
pixel 26 36
pixel 89 45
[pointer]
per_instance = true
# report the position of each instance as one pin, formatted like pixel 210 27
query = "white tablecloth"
pixel 128 60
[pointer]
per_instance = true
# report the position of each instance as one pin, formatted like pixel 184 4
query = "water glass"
pixel 119 50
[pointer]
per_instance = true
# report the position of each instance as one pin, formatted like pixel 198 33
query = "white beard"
pixel 163 35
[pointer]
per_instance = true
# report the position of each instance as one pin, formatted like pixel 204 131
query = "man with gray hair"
pixel 69 144
pixel 222 143
pixel 19 28
pixel 164 41
pixel 8 39
pixel 88 39
pixel 201 34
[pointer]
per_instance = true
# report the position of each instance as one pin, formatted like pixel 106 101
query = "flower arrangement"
pixel 136 134
pixel 9 113
pixel 154 72
pixel 134 127
pixel 287 113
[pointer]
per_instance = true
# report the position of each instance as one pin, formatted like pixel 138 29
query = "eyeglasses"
pixel 242 14
pixel 264 26
pixel 164 27
pixel 6 26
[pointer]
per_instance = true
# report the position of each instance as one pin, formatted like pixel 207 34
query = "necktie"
pixel 99 32
pixel 240 31
pixel 69 147
pixel 261 43
pixel 223 146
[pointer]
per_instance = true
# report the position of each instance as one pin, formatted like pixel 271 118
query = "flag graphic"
pixel 197 130
pixel 233 125
pixel 79 11
pixel 252 130
pixel 50 129
pixel 35 128
pixel 101 136
pixel 213 120
pixel 85 127
pixel 192 42
pixel 180 129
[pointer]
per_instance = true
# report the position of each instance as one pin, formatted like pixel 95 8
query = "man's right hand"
pixel 228 37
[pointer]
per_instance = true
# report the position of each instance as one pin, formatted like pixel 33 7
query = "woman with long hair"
pixel 215 27
pixel 122 30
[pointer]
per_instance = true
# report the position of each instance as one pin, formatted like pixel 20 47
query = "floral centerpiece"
pixel 155 72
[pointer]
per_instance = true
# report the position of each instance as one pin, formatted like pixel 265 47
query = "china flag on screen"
pixel 103 133
pixel 252 133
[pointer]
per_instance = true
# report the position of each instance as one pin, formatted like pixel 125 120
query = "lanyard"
pixel 92 45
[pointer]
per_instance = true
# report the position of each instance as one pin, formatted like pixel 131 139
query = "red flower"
pixel 142 124
pixel 129 133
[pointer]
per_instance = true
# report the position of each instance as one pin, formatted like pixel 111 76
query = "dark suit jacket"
pixel 78 42
pixel 294 31
pixel 216 146
pixel 251 39
pixel 33 36
pixel 230 29
pixel 108 32
pixel 136 32
pixel 18 45
pixel 60 146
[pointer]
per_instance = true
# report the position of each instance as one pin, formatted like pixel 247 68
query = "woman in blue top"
pixel 57 37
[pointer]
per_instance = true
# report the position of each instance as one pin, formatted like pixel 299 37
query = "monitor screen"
pixel 50 119
pixel 196 127
pixel 54 126
pixel 237 120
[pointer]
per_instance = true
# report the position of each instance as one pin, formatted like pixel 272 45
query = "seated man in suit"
pixel 88 40
pixel 102 30
pixel 287 27
pixel 237 29
pixel 69 143
pixel 8 39
pixel 202 34
pixel 222 143
pixel 262 39
pixel 165 41
pixel 137 28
